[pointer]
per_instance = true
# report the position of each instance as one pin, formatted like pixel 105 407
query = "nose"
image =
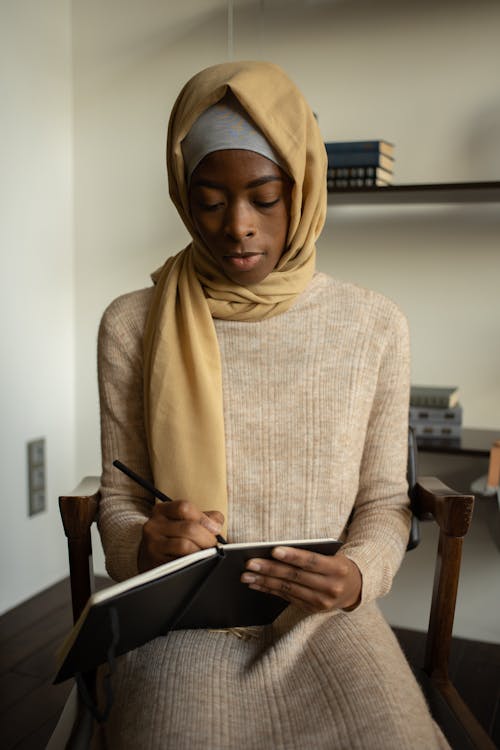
pixel 239 221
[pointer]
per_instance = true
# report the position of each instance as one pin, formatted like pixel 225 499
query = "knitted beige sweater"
pixel 315 412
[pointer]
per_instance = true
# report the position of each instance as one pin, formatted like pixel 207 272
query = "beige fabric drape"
pixel 182 373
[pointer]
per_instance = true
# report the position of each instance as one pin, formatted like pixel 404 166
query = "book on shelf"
pixel 437 430
pixel 440 415
pixel 348 172
pixel 360 159
pixel 355 182
pixel 434 396
pixel 339 147
pixel 201 590
pixel 346 177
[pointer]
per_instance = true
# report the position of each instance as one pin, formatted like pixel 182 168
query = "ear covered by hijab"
pixel 182 372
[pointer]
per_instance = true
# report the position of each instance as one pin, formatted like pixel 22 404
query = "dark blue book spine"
pixel 359 159
pixel 343 146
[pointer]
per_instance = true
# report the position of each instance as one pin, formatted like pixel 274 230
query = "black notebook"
pixel 201 590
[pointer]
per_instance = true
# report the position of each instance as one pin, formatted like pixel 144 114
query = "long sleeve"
pixel 378 533
pixel 124 506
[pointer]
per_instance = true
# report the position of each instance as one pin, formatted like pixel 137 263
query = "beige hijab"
pixel 182 370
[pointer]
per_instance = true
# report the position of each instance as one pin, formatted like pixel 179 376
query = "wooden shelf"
pixel 473 442
pixel 452 192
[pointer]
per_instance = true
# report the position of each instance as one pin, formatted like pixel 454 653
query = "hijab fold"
pixel 182 368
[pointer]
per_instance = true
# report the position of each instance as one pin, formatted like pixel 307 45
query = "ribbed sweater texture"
pixel 315 415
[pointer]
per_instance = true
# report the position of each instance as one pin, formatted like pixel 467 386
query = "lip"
pixel 243 262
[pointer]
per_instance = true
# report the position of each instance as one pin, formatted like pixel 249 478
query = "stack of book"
pixel 435 414
pixel 355 164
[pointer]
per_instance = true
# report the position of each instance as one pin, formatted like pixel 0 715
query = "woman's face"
pixel 240 205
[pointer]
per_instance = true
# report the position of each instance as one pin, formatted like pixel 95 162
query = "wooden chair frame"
pixel 431 500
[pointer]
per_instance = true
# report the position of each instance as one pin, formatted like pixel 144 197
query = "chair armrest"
pixel 87 486
pixel 79 508
pixel 453 513
pixel 452 510
pixel 78 512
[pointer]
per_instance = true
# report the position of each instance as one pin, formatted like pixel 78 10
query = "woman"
pixel 271 402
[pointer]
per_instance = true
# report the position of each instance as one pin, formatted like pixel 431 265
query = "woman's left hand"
pixel 311 581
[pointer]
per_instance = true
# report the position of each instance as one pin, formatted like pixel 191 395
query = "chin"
pixel 247 279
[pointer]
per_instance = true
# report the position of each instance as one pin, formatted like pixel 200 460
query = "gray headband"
pixel 224 125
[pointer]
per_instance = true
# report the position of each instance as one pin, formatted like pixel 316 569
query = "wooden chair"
pixel 431 500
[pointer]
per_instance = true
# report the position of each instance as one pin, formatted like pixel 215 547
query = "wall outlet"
pixel 36 476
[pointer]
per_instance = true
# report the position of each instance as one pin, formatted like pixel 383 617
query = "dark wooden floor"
pixel 30 705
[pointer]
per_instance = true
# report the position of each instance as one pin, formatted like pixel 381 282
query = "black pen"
pixel 148 486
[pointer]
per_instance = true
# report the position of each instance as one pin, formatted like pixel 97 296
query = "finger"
pixel 295 566
pixel 159 529
pixel 281 571
pixel 306 598
pixel 183 510
pixel 305 559
pixel 178 510
pixel 176 547
pixel 338 565
pixel 157 548
pixel 213 520
pixel 340 588
pixel 192 530
pixel 292 581
pixel 321 590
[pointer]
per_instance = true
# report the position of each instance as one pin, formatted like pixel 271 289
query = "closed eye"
pixel 267 204
pixel 210 206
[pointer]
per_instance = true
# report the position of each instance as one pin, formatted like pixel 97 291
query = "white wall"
pixel 37 315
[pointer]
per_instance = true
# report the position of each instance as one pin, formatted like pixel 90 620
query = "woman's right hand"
pixel 176 529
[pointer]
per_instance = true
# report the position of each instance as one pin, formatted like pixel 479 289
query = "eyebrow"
pixel 254 183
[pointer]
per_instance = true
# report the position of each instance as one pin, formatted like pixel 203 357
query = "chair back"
pixel 411 475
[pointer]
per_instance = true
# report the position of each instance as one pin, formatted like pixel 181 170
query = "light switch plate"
pixel 36 476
